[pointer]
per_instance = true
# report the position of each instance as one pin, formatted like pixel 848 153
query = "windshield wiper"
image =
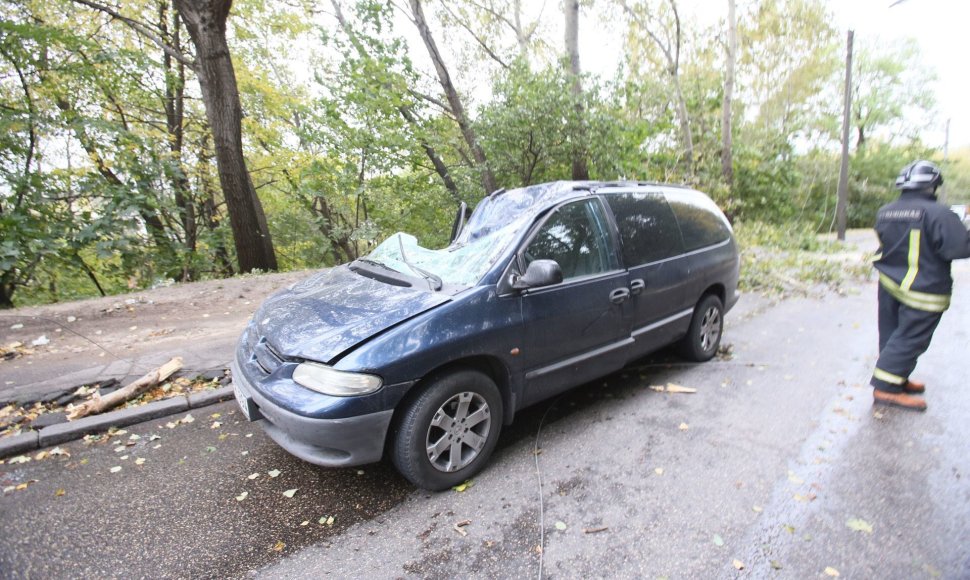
pixel 436 282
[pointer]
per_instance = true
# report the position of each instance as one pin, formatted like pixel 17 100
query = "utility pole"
pixel 843 194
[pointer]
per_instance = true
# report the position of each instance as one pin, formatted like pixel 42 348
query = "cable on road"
pixel 542 514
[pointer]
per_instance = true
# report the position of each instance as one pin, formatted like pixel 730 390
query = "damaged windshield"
pixel 460 265
pixel 492 226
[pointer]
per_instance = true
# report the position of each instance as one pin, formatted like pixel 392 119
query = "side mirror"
pixel 459 223
pixel 539 273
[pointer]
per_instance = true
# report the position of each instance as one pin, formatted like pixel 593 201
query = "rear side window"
pixel 701 222
pixel 647 227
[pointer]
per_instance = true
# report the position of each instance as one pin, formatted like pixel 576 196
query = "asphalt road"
pixel 778 463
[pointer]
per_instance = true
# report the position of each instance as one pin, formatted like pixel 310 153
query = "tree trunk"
pixel 727 159
pixel 454 101
pixel 206 22
pixel 580 171
pixel 174 122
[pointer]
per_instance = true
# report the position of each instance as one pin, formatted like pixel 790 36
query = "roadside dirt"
pixel 123 336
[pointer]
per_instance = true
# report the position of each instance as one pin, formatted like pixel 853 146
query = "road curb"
pixel 63 432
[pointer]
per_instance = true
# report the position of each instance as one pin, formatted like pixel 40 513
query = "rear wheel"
pixel 704 335
pixel 447 433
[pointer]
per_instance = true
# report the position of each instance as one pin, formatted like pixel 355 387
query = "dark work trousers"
pixel 904 334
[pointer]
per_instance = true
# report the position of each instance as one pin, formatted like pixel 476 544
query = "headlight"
pixel 326 380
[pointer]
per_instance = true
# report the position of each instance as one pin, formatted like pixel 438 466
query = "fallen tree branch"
pixel 98 404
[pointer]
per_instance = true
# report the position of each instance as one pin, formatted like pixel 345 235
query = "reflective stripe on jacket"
pixel 918 239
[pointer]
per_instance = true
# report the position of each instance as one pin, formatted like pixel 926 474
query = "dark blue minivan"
pixel 425 354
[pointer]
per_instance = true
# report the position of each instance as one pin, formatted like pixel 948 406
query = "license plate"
pixel 242 399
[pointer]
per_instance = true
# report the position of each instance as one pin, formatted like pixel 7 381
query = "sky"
pixel 941 29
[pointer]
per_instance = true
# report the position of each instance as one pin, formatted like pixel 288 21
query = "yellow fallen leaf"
pixel 215 425
pixel 21 486
pixel 59 493
pixel 290 492
pixel 278 546
pixel 738 564
pixel 658 388
pixel 140 461
pixel 115 469
pixel 684 427
pixel 305 523
pixel 252 476
pixel 830 571
pixel 41 456
pixel 273 473
pixel 857 525
pixel 659 471
pixel 674 388
pixel 463 486
pixel 242 496
pixel 215 415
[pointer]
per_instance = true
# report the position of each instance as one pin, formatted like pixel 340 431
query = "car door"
pixel 652 249
pixel 579 329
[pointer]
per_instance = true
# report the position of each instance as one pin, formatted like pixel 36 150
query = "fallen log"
pixel 98 404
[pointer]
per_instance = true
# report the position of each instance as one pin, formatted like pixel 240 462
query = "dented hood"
pixel 331 312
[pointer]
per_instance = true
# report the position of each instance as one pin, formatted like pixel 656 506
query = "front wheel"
pixel 447 434
pixel 704 335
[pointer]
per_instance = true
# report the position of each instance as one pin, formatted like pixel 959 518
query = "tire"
pixel 704 335
pixel 447 434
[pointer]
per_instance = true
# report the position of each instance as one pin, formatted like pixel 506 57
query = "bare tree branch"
pixel 475 36
pixel 142 29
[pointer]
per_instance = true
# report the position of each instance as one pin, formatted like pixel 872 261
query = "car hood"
pixel 334 310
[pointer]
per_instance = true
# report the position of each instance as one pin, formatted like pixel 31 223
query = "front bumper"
pixel 329 442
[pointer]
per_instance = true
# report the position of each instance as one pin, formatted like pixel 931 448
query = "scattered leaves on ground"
pixel 278 546
pixel 252 476
pixel 684 426
pixel 326 521
pixel 738 564
pixel 273 473
pixel 857 525
pixel 561 526
pixel 242 496
pixel 115 469
pixel 290 492
pixel 718 540
pixel 830 571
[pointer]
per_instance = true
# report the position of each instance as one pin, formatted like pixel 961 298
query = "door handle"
pixel 637 286
pixel 619 295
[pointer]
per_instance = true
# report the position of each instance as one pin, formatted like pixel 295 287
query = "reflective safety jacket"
pixel 918 239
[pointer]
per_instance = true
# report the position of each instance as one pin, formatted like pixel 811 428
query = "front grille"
pixel 266 357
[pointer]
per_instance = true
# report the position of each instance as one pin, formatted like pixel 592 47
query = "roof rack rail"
pixel 496 193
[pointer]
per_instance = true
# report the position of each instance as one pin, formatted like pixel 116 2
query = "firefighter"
pixel 918 239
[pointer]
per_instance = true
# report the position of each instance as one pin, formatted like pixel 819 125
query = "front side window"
pixel 576 237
